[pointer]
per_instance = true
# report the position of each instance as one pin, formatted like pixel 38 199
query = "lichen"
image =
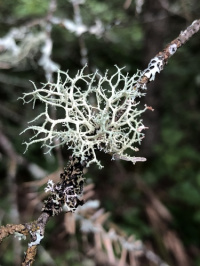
pixel 37 238
pixel 155 66
pixel 172 48
pixel 19 236
pixel 94 112
pixel 66 195
pixel 50 186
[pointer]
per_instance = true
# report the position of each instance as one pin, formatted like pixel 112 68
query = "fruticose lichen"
pixel 93 112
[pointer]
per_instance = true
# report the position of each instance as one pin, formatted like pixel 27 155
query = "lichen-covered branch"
pixel 24 41
pixel 35 229
pixel 11 229
pixel 29 257
pixel 157 63
pixel 65 195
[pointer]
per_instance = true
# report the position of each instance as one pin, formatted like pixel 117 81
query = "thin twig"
pixel 157 63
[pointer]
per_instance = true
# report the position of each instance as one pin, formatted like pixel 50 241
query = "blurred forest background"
pixel 158 201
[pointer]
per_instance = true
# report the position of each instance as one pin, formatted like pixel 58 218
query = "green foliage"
pixel 25 8
pixel 99 9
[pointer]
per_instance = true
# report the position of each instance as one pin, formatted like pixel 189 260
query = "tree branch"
pixel 65 194
pixel 157 63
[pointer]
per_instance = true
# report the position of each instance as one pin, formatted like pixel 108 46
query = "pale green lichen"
pixel 19 236
pixel 93 112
